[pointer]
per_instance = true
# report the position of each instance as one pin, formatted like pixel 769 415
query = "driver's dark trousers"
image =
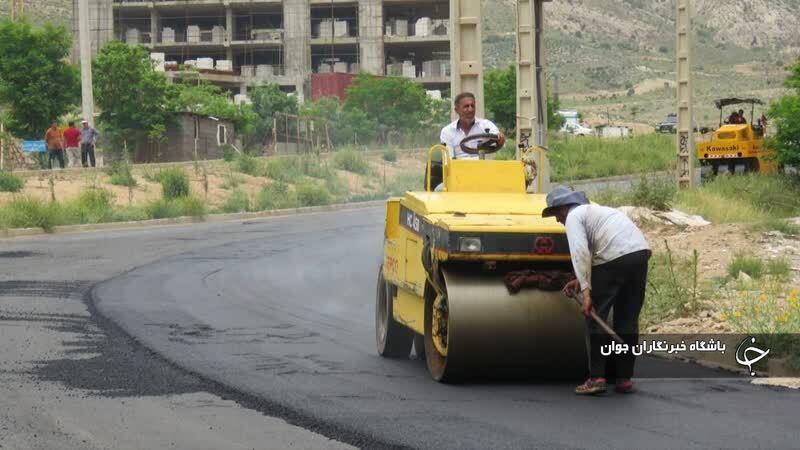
pixel 619 284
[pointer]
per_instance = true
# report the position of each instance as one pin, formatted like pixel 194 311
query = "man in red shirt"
pixel 72 137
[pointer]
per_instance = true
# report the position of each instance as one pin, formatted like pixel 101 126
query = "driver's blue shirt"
pixel 452 135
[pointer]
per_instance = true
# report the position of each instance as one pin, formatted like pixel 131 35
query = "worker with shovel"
pixel 609 255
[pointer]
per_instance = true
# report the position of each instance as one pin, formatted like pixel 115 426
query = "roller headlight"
pixel 469 244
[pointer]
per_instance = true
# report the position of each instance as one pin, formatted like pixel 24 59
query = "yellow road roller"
pixel 441 287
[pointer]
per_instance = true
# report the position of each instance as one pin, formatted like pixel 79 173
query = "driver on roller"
pixel 467 125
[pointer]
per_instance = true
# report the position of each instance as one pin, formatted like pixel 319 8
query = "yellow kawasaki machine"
pixel 441 287
pixel 736 147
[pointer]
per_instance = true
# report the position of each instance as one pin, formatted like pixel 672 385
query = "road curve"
pixel 287 316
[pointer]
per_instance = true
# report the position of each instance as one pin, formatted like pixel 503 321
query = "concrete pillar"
pixel 230 33
pixel 155 26
pixel 243 88
pixel 101 26
pixel 297 34
pixel 370 36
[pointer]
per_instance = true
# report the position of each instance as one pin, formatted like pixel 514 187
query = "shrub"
pixel 238 201
pixel 153 176
pixel 121 175
pixel 285 169
pixel 778 268
pixel 351 161
pixel 390 155
pixel 312 195
pixel 228 153
pixel 27 212
pixel 249 165
pixel 750 265
pixel 10 182
pixel 174 183
pixel 176 207
pixel 672 288
pixel 94 205
pixel 275 196
pixel 655 193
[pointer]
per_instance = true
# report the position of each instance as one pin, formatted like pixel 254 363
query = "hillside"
pixel 600 51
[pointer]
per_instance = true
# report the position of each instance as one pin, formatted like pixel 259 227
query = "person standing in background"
pixel 54 139
pixel 88 140
pixel 72 139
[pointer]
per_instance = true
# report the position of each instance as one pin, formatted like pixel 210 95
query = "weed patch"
pixel 238 201
pixel 121 175
pixel 10 182
pixel 174 183
pixel 351 160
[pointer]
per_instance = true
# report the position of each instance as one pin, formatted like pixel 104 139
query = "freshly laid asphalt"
pixel 278 315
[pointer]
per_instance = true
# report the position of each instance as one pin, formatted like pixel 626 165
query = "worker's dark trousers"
pixel 56 153
pixel 619 284
pixel 87 152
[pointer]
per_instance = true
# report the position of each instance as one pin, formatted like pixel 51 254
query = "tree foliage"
pixel 785 114
pixel 500 93
pixel 209 100
pixel 36 83
pixel 268 100
pixel 388 104
pixel 133 98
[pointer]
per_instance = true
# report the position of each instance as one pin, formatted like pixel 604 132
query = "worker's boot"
pixel 592 386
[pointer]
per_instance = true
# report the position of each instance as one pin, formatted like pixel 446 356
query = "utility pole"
pixel 683 51
pixel 466 55
pixel 87 98
pixel 17 9
pixel 531 97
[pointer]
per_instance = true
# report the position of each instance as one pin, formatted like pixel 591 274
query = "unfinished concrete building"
pixel 237 43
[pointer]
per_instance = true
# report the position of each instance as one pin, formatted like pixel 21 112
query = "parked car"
pixel 670 125
pixel 577 130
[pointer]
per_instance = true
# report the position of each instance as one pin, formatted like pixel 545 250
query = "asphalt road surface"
pixel 278 316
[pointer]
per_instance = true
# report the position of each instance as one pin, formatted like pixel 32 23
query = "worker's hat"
pixel 562 196
pixel 84 121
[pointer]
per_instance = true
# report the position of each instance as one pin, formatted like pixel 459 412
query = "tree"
pixel 500 92
pixel 35 82
pixel 391 104
pixel 785 114
pixel 135 100
pixel 268 100
pixel 209 100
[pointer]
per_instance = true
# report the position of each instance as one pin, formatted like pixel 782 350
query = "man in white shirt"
pixel 466 125
pixel 609 254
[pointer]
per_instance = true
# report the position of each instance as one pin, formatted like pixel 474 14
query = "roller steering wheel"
pixel 490 145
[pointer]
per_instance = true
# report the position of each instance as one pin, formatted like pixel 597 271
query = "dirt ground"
pixel 68 184
pixel 717 244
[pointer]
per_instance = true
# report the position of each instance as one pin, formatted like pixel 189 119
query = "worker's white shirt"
pixel 599 234
pixel 452 135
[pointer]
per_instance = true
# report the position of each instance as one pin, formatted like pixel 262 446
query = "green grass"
pixel 351 160
pixel 309 194
pixel 275 196
pixel 390 155
pixel 10 182
pixel 249 165
pixel 291 169
pixel 237 201
pixel 673 289
pixel 747 264
pixel 166 208
pixel 578 158
pixel 174 183
pixel 762 200
pixel 121 175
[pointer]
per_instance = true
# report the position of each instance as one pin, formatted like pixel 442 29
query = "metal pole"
pixel 2 145
pixel 683 50
pixel 87 99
